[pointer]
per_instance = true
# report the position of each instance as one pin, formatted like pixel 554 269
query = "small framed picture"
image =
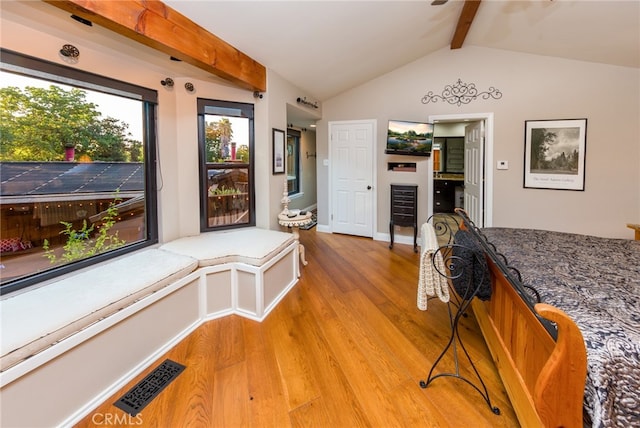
pixel 278 151
pixel 554 154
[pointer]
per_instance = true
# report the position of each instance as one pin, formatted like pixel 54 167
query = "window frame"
pixel 208 106
pixel 26 65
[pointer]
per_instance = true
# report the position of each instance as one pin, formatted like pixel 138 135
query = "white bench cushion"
pixel 251 245
pixel 38 318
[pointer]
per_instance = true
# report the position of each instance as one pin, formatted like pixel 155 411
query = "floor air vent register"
pixel 138 397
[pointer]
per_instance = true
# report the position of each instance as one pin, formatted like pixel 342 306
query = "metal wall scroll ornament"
pixel 461 93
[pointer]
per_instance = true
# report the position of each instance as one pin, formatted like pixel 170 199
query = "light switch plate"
pixel 502 164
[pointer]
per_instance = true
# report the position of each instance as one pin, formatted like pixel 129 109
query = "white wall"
pixel 40 30
pixel 281 93
pixel 449 129
pixel 533 87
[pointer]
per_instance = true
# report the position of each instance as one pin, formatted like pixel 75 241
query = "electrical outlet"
pixel 502 164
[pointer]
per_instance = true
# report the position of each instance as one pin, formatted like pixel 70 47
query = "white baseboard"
pixel 324 228
pixel 377 236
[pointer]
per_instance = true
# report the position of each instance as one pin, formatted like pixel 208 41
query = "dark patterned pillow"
pixel 469 270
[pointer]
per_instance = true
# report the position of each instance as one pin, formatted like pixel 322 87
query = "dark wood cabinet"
pixel 444 196
pixel 404 210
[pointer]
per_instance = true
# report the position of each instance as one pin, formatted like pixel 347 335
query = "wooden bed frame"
pixel 544 376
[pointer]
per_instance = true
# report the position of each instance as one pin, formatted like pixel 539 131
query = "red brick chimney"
pixel 69 154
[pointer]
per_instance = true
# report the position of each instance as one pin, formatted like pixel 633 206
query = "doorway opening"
pixel 481 163
pixel 301 168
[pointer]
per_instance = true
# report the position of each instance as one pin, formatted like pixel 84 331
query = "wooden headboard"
pixel 542 364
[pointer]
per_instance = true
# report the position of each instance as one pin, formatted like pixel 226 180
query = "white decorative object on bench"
pixel 294 219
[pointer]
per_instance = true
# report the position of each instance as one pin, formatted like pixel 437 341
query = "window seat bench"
pixel 109 322
pixel 39 318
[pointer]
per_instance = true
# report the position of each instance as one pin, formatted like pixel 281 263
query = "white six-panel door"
pixel 473 172
pixel 352 177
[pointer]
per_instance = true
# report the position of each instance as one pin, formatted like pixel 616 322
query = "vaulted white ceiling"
pixel 327 47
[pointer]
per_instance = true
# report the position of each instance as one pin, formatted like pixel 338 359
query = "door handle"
pixel 368 187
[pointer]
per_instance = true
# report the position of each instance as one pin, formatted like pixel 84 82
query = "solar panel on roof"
pixel 43 178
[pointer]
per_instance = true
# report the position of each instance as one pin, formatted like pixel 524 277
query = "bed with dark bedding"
pixel 596 282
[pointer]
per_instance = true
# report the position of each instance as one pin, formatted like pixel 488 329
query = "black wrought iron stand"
pixel 455 342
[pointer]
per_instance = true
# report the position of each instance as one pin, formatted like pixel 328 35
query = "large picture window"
pixel 77 156
pixel 226 164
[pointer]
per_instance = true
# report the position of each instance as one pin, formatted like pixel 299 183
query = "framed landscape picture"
pixel 554 156
pixel 278 151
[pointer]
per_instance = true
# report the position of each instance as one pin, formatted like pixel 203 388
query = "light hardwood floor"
pixel 346 347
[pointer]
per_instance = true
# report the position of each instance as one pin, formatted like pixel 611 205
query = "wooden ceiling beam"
pixel 157 25
pixel 464 22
